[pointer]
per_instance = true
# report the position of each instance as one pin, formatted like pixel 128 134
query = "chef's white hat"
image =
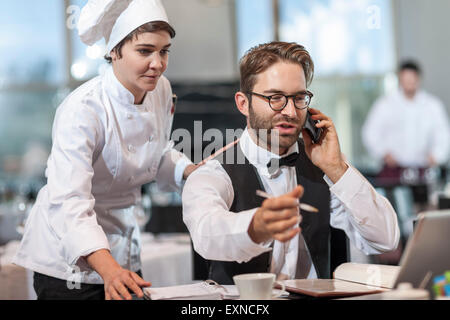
pixel 115 19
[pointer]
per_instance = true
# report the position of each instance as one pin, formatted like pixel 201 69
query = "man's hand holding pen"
pixel 278 218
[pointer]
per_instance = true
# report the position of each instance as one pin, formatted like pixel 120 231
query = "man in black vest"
pixel 236 230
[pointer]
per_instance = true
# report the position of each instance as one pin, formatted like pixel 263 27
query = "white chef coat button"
pixel 130 148
pixel 129 116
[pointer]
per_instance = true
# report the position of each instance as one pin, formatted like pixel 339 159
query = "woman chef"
pixel 110 136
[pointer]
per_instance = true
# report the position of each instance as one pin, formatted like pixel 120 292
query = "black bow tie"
pixel 288 161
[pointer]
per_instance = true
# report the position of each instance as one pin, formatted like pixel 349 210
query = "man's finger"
pixel 286 236
pixel 318 115
pixel 271 216
pixel 325 124
pixel 282 226
pixel 279 203
pixel 297 192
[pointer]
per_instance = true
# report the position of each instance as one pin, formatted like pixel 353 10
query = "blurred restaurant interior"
pixel 356 47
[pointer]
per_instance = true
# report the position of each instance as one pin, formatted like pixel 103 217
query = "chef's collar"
pixel 117 90
pixel 258 156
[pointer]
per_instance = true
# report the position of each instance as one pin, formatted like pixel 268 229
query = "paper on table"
pixel 196 291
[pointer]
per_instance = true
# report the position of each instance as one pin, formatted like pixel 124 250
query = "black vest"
pixel 315 226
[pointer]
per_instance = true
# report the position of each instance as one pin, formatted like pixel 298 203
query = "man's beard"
pixel 265 133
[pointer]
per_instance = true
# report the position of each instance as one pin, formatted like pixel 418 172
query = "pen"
pixel 302 206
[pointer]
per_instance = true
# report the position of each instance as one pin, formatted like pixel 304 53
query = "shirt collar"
pixel 417 97
pixel 260 157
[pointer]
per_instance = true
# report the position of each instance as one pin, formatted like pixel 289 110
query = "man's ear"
pixel 241 100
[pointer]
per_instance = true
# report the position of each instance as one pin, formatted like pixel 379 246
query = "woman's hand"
pixel 120 281
pixel 189 169
pixel 117 279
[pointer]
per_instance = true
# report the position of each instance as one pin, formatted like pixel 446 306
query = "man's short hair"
pixel 410 65
pixel 258 59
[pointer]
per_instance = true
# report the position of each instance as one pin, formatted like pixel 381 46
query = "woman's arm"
pixel 117 279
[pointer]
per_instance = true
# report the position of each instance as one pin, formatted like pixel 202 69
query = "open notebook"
pixel 350 279
pixel 197 291
pixel 206 290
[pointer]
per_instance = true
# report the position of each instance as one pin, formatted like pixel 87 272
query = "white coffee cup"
pixel 257 286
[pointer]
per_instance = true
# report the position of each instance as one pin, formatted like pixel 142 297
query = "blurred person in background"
pixel 110 136
pixel 408 129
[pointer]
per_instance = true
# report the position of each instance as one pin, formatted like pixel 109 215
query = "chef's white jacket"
pixel 409 129
pixel 104 149
pixel 367 218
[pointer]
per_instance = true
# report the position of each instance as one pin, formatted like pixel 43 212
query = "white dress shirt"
pixel 104 149
pixel 409 129
pixel 367 218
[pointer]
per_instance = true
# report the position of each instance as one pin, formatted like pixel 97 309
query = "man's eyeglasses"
pixel 279 101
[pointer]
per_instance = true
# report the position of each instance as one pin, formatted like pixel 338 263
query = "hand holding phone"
pixel 310 126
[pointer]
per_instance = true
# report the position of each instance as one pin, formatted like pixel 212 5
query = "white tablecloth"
pixel 166 261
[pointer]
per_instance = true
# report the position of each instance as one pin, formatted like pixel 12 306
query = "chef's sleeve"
pixel 71 217
pixel 173 162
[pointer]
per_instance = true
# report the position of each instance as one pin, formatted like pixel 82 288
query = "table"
pixel 166 261
pixel 16 283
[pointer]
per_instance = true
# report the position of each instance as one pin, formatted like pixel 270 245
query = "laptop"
pixel 426 255
pixel 427 250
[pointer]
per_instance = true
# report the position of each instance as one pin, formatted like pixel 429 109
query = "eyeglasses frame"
pixel 307 92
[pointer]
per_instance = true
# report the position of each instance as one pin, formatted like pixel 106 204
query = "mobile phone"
pixel 310 126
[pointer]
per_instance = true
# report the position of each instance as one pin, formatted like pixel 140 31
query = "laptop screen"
pixel 427 250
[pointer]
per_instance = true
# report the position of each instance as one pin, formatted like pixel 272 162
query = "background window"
pixel 87 61
pixel 344 37
pixel 31 42
pixel 254 19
